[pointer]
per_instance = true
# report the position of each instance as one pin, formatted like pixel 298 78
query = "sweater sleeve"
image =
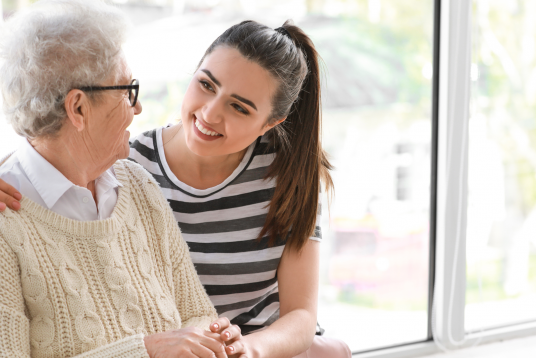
pixel 14 325
pixel 15 331
pixel 192 301
pixel 131 346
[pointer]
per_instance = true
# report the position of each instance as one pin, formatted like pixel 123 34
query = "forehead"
pixel 122 73
pixel 238 75
pixel 124 69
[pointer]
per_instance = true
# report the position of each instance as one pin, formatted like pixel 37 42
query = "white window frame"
pixel 454 93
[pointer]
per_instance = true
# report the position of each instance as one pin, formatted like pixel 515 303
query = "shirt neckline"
pixel 119 218
pixel 199 193
pixel 49 182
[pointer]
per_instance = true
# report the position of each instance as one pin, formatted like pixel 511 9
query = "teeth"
pixel 204 130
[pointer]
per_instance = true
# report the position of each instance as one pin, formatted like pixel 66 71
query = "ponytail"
pixel 300 163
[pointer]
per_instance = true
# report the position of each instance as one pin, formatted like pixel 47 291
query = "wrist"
pixel 252 350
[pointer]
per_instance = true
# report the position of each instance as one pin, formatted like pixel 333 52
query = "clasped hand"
pixel 223 340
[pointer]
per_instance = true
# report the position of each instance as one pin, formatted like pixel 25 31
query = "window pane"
pixel 377 110
pixel 501 259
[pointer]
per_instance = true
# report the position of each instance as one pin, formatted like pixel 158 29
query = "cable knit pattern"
pixel 95 288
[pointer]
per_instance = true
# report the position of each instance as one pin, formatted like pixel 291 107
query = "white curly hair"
pixel 51 48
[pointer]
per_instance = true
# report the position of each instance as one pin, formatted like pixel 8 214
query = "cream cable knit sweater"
pixel 95 288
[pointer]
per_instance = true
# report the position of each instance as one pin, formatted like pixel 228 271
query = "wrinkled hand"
pixel 231 335
pixel 188 342
pixel 9 196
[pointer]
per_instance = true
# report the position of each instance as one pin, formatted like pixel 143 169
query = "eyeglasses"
pixel 133 87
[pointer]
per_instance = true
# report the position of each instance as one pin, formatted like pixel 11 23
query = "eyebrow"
pixel 246 101
pixel 240 98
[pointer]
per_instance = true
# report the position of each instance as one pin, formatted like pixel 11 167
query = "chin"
pixel 198 150
pixel 124 149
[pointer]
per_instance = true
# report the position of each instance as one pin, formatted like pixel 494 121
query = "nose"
pixel 212 111
pixel 137 107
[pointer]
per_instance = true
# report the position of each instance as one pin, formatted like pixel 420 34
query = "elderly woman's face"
pixel 109 118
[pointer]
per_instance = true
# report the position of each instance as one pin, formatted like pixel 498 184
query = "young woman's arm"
pixel 294 331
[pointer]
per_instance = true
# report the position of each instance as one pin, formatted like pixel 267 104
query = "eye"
pixel 239 108
pixel 206 85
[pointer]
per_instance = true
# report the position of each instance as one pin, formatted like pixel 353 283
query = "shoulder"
pixel 13 228
pixel 143 148
pixel 137 176
pixel 263 154
pixel 143 139
pixel 133 172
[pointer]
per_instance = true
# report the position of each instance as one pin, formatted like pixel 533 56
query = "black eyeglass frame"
pixel 134 85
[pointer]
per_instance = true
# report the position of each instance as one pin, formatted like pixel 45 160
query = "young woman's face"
pixel 227 104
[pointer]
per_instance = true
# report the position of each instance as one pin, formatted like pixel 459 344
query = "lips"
pixel 200 130
pixel 205 130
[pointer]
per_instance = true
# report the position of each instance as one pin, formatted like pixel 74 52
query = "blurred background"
pixel 501 222
pixel 377 96
pixel 377 129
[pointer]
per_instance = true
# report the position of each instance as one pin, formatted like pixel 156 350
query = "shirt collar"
pixel 106 181
pixel 49 182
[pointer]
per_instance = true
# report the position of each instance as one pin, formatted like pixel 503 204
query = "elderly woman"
pixel 93 263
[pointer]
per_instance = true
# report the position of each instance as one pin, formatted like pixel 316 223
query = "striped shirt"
pixel 221 225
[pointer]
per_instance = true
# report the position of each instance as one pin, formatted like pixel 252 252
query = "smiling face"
pixel 227 104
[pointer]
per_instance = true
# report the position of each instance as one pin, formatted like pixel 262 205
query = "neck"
pixel 71 158
pixel 190 168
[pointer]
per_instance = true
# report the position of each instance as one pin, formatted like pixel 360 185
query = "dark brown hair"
pixel 300 163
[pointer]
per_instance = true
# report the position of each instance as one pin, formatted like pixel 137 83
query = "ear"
pixel 77 108
pixel 271 125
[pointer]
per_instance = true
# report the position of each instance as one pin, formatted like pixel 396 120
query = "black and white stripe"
pixel 221 226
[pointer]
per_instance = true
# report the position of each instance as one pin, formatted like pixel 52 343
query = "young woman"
pixel 242 172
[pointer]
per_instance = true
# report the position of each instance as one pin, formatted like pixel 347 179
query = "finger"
pixel 10 190
pixel 9 195
pixel 199 350
pixel 220 324
pixel 2 207
pixel 214 345
pixel 235 348
pixel 214 336
pixel 231 333
pixel 10 201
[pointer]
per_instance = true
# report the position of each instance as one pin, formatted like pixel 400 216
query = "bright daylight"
pixel 427 110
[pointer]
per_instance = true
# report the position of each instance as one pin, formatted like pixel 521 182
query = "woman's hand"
pixel 231 335
pixel 9 196
pixel 188 342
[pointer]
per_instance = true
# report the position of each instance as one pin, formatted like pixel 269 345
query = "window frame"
pixel 448 194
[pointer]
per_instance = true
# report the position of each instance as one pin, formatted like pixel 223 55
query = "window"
pixel 428 117
pixel 501 213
